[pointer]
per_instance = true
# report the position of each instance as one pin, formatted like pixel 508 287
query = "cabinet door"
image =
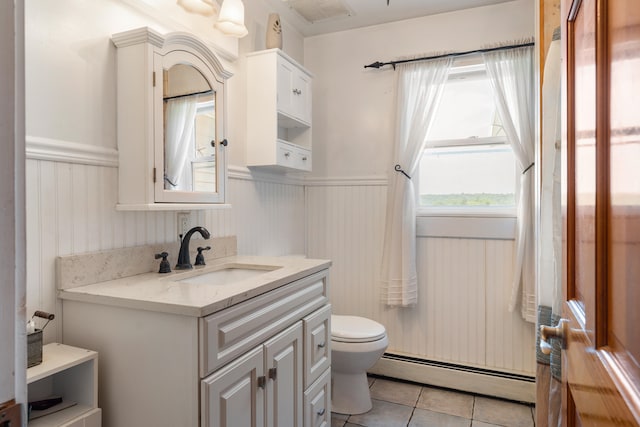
pixel 286 96
pixel 283 363
pixel 301 89
pixel 233 396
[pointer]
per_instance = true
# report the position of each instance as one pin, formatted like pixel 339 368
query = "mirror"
pixel 189 112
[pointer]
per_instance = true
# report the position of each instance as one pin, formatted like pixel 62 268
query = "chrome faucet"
pixel 184 261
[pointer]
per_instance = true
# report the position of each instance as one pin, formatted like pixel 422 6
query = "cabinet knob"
pixel 262 381
pixel 273 373
pixel 321 345
pixel 287 154
pixel 321 412
pixel 304 158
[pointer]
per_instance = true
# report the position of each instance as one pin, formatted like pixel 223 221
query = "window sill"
pixel 497 224
pixel 496 212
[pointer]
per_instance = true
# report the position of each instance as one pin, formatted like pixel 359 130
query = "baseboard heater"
pixel 520 388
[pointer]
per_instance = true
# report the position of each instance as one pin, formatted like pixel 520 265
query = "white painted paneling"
pixel 452 273
pixel 504 327
pixel 71 210
pixel 462 314
pixel 344 224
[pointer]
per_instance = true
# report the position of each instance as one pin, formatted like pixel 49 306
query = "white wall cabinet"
pixel 262 362
pixel 279 99
pixel 72 374
pixel 171 107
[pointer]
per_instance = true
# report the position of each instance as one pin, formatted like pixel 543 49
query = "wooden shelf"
pixel 56 358
pixel 69 372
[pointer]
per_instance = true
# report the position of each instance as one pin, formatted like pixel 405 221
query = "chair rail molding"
pixel 369 180
pixel 56 150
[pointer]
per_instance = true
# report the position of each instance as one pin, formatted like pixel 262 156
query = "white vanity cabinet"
pixel 262 387
pixel 264 361
pixel 278 111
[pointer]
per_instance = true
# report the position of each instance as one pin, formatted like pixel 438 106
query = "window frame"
pixel 472 222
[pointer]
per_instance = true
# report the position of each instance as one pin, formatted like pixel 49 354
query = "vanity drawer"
pixel 317 344
pixel 317 402
pixel 235 330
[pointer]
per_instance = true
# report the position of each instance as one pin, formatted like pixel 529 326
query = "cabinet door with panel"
pixel 234 395
pixel 301 89
pixel 294 91
pixel 283 359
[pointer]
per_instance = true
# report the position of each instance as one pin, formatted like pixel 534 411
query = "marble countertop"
pixel 166 293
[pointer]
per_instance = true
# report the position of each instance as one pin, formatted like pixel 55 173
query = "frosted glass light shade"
pixel 201 7
pixel 231 19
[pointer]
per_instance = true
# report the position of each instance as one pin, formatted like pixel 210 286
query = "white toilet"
pixel 356 345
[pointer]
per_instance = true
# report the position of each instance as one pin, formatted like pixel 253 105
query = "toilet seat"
pixel 355 329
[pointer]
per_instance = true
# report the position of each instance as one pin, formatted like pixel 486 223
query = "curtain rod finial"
pixel 376 64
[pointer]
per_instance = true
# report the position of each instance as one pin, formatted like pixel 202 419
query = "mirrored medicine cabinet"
pixel 171 122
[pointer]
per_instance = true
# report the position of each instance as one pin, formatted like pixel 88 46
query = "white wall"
pixel 354 108
pixel 464 284
pixel 71 104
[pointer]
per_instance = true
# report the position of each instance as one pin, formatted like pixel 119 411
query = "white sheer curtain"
pixel 179 141
pixel 419 87
pixel 548 370
pixel 511 73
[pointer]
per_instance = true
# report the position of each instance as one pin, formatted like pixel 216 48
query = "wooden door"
pixel 601 195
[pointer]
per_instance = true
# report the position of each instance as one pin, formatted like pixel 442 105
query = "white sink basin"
pixel 225 276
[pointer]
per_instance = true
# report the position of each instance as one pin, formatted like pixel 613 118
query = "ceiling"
pixel 327 16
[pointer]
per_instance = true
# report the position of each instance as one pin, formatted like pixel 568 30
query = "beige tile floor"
pixel 404 404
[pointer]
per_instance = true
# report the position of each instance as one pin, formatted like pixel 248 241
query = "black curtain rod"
pixel 204 92
pixel 379 64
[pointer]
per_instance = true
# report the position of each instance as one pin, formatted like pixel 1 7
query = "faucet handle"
pixel 200 256
pixel 165 267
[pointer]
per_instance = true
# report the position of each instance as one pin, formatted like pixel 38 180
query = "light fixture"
pixel 201 7
pixel 231 19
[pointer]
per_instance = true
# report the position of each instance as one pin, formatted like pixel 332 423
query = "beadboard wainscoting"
pixel 71 210
pixel 464 284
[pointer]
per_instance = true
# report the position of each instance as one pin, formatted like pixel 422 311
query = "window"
pixel 469 165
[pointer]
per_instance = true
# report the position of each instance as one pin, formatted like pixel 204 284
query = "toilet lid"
pixel 355 329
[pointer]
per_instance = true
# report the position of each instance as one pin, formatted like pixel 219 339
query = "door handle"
pixel 560 332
